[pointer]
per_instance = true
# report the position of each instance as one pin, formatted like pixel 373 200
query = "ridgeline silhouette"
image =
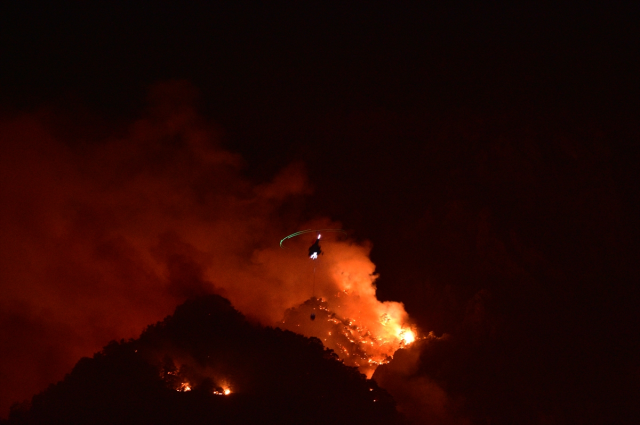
pixel 178 371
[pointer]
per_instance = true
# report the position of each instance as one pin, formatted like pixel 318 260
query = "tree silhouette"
pixel 179 368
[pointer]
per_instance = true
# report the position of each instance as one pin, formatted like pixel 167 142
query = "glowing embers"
pixel 186 387
pixel 191 377
pixel 223 389
pixel 314 256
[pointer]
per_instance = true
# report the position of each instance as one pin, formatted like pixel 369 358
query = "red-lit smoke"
pixel 101 236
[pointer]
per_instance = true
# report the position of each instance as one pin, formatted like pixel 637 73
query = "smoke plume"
pixel 103 235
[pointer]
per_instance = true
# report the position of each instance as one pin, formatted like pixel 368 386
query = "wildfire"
pixel 184 387
pixel 407 336
pixel 346 316
pixel 185 378
pixel 363 346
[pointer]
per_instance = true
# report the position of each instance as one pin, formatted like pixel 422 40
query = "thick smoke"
pixel 419 398
pixel 103 235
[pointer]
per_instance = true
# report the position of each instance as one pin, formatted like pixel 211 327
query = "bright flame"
pixel 344 312
pixel 227 391
pixel 359 343
pixel 407 336
pixel 184 387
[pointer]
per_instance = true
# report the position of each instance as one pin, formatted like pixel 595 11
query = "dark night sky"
pixel 478 147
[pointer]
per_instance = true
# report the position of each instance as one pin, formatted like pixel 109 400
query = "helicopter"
pixel 314 250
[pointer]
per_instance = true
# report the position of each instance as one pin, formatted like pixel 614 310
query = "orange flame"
pixel 363 331
pixel 184 387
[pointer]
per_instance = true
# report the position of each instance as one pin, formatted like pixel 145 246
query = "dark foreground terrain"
pixel 205 348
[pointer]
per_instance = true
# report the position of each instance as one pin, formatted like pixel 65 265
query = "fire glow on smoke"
pixel 155 214
pixel 348 318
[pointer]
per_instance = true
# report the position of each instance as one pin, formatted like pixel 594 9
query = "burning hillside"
pixel 354 343
pixel 111 233
pixel 207 364
pixel 348 317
